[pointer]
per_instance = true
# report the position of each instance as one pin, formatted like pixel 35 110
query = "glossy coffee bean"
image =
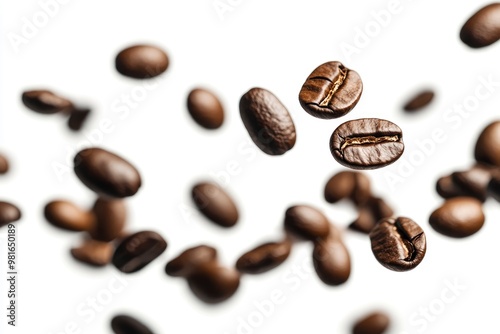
pixel 110 217
pixel 215 204
pixel 267 121
pixel 9 213
pixel 487 148
pixel 398 243
pixel 264 257
pixel 367 143
pixel 370 213
pixel 124 324
pixel 138 250
pixel 77 118
pixel 419 101
pixel 94 253
pixel 446 187
pixel 474 181
pixel 205 108
pixel 4 164
pixel 188 261
pixel 306 222
pixel 482 28
pixel 46 102
pixel 68 216
pixel 373 323
pixel 348 184
pixel 142 61
pixel 213 283
pixel 458 217
pixel 106 173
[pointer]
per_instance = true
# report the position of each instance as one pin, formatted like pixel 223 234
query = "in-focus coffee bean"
pixel 264 257
pixel 367 143
pixel 331 91
pixel 94 253
pixel 487 149
pixel 46 102
pixel 213 283
pixel 9 213
pixel 446 187
pixel 306 222
pixel 189 261
pixel 348 184
pixel 373 323
pixel 110 217
pixel 4 164
pixel 125 324
pixel 458 217
pixel 398 243
pixel 370 213
pixel 482 28
pixel 77 118
pixel 419 101
pixel 205 108
pixel 68 216
pixel 141 61
pixel 267 121
pixel 215 204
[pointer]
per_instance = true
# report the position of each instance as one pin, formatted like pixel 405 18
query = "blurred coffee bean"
pixel 306 222
pixel 205 108
pixel 419 101
pixel 68 216
pixel 475 180
pixel 213 283
pixel 446 187
pixel 77 118
pixel 215 204
pixel 348 184
pixel 138 250
pixel 370 213
pixel 125 324
pixel 46 102
pixel 141 61
pixel 9 213
pixel 264 257
pixel 487 150
pixel 94 253
pixel 189 261
pixel 110 217
pixel 4 164
pixel 373 323
pixel 482 28
pixel 458 217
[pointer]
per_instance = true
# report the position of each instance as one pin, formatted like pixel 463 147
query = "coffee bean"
pixel 106 173
pixel 306 222
pixel 213 283
pixel 348 184
pixel 9 213
pixel 331 91
pixel 475 181
pixel 487 148
pixel 4 164
pixel 215 204
pixel 267 121
pixel 458 217
pixel 373 323
pixel 264 257
pixel 398 243
pixel 367 143
pixel 205 108
pixel 124 324
pixel 68 216
pixel 110 218
pixel 189 261
pixel 494 187
pixel 446 187
pixel 138 250
pixel 46 102
pixel 482 28
pixel 142 61
pixel 94 253
pixel 370 213
pixel 77 118
pixel 419 101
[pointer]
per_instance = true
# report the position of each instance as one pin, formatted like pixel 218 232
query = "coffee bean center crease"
pixel 335 87
pixel 408 242
pixel 368 140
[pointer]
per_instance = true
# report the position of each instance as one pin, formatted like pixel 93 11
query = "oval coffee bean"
pixel 138 250
pixel 373 323
pixel 215 204
pixel 205 108
pixel 77 118
pixel 213 283
pixel 446 187
pixel 106 173
pixel 110 218
pixel 487 148
pixel 307 222
pixel 370 213
pixel 94 253
pixel 367 143
pixel 67 216
pixel 264 257
pixel 9 213
pixel 331 91
pixel 141 61
pixel 458 217
pixel 419 101
pixel 348 184
pixel 483 28
pixel 46 102
pixel 398 243
pixel 189 261
pixel 4 164
pixel 124 324
pixel 267 121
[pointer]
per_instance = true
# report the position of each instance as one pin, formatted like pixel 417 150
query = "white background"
pixel 269 44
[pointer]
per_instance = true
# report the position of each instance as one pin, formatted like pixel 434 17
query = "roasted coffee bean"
pixel 141 61
pixel 67 216
pixel 94 253
pixel 205 108
pixel 215 204
pixel 124 324
pixel 367 143
pixel 9 213
pixel 46 102
pixel 138 250
pixel 106 173
pixel 494 187
pixel 4 164
pixel 264 257
pixel 77 118
pixel 331 91
pixel 307 222
pixel 419 101
pixel 331 259
pixel 458 217
pixel 475 180
pixel 348 184
pixel 188 261
pixel 398 243
pixel 267 121
pixel 446 187
pixel 110 218
pixel 370 213
pixel 487 148
pixel 483 28
pixel 213 283
pixel 373 323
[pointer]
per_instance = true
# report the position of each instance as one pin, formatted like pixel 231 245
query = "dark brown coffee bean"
pixel 348 184
pixel 213 283
pixel 494 187
pixel 446 187
pixel 205 108
pixel 94 253
pixel 367 143
pixel 4 164
pixel 124 324
pixel 398 243
pixel 46 102
pixel 267 121
pixel 370 213
pixel 487 148
pixel 77 118
pixel 458 217
pixel 419 101
pixel 306 222
pixel 483 28
pixel 264 257
pixel 188 261
pixel 331 91
pixel 215 204
pixel 67 216
pixel 9 213
pixel 138 250
pixel 373 323
pixel 142 61
pixel 110 218
pixel 475 180
pixel 106 173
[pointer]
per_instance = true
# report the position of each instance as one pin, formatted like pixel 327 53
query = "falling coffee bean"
pixel 215 204
pixel 370 213
pixel 482 28
pixel 124 324
pixel 348 184
pixel 213 283
pixel 46 102
pixel 306 222
pixel 188 261
pixel 4 164
pixel 446 187
pixel 77 118
pixel 141 61
pixel 494 187
pixel 373 323
pixel 138 250
pixel 487 150
pixel 475 181
pixel 94 253
pixel 205 108
pixel 419 101
pixel 67 216
pixel 9 213
pixel 264 257
pixel 458 217
pixel 110 218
